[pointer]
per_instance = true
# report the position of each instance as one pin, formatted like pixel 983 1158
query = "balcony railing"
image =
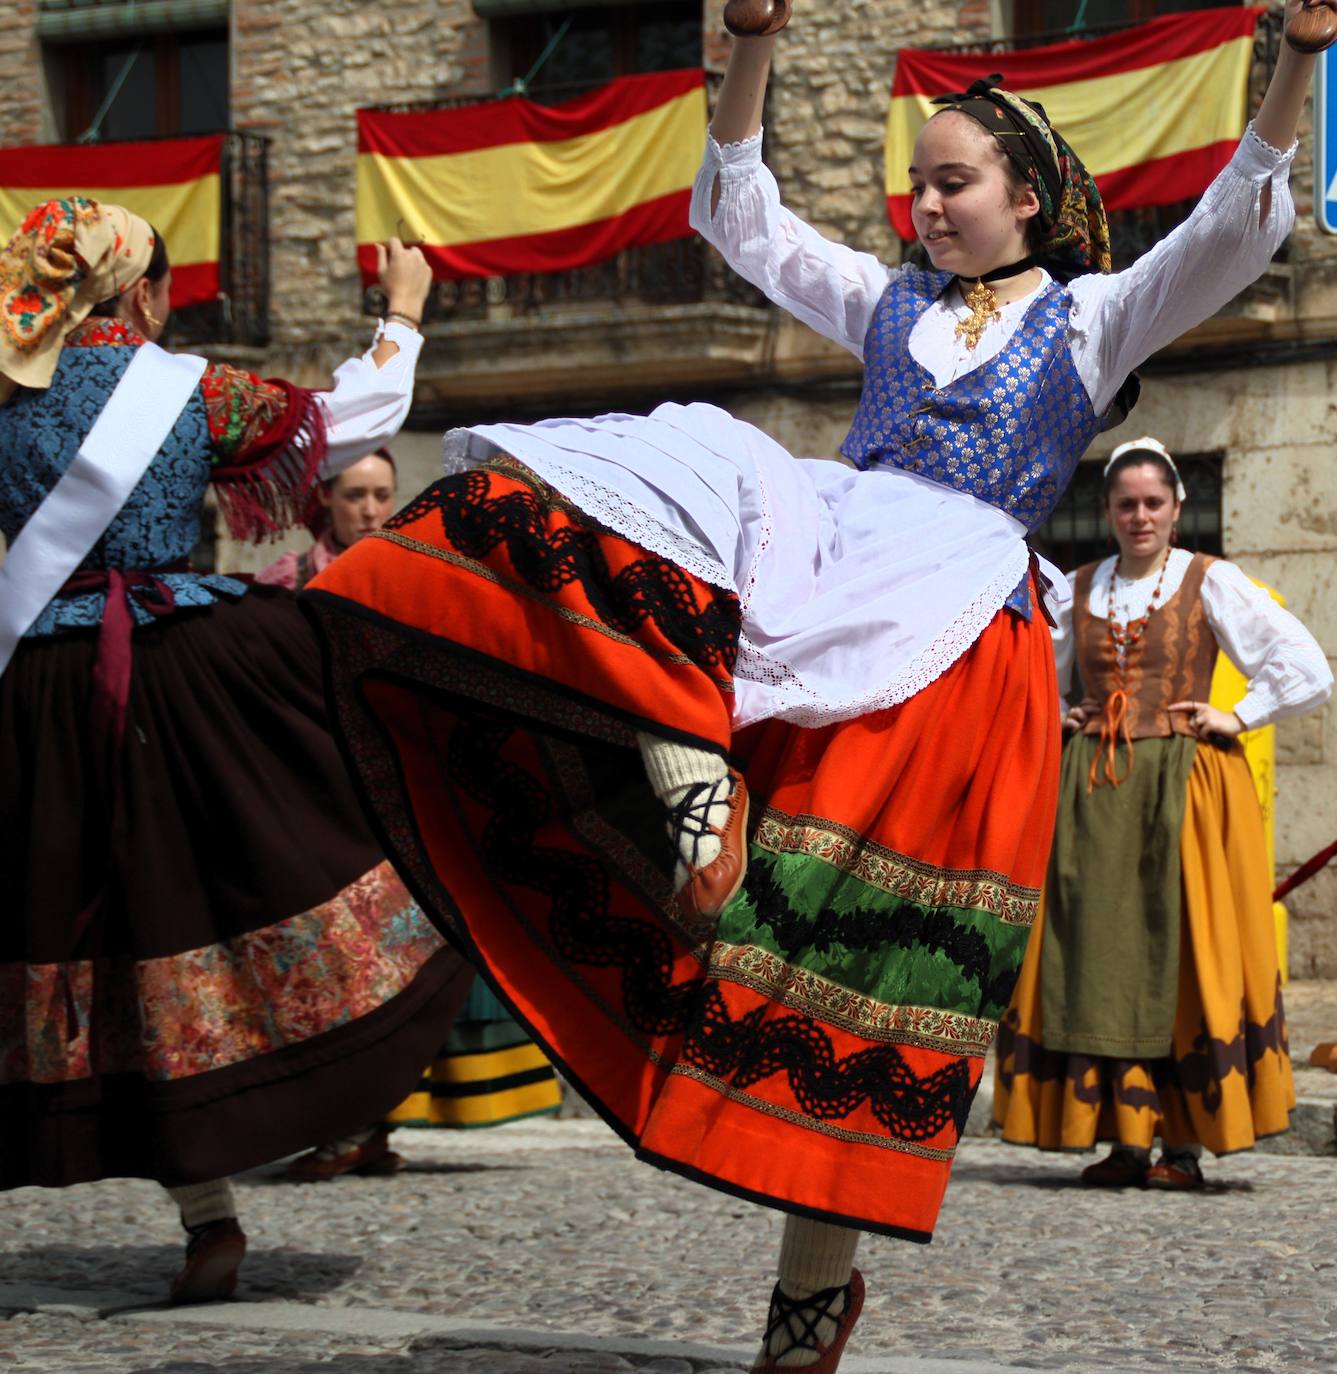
pixel 1132 232
pixel 240 314
pixel 683 271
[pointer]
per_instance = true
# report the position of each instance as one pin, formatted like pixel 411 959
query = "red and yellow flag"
pixel 1154 111
pixel 511 186
pixel 174 183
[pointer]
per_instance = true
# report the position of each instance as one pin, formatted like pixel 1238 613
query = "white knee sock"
pixel 673 770
pixel 814 1255
pixel 201 1203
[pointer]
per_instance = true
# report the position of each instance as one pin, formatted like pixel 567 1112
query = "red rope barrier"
pixel 1305 871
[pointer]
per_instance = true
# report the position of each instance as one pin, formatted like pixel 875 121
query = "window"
pixel 150 84
pixel 1076 532
pixel 1054 16
pixel 596 45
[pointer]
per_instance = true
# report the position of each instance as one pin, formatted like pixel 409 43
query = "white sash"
pixel 75 513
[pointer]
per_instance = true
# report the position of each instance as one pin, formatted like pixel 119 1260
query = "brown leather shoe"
pixel 373 1156
pixel 1118 1169
pixel 1179 1175
pixel 213 1255
pixel 710 888
pixel 799 1316
pixel 756 18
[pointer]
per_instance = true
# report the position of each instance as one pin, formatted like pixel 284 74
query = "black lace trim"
pixel 475 522
pixel 905 926
pixel 741 1051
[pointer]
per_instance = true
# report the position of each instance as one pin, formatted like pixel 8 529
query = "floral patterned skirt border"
pixel 218 968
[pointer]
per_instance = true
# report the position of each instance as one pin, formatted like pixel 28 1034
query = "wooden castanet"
pixel 1313 28
pixel 756 18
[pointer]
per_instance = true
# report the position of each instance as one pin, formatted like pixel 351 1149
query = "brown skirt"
pixel 253 977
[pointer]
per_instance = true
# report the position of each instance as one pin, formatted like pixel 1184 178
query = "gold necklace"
pixel 984 311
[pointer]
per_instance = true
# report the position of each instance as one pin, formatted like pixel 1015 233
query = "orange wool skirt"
pixel 491 655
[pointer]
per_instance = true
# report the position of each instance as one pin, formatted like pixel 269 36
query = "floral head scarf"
pixel 1075 235
pixel 67 256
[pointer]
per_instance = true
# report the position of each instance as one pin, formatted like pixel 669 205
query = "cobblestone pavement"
pixel 545 1248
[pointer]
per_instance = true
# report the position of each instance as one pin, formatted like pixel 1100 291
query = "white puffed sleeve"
pixel 827 286
pixel 1287 671
pixel 1065 646
pixel 368 405
pixel 1119 320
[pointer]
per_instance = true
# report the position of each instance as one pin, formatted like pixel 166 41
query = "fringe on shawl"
pixel 272 486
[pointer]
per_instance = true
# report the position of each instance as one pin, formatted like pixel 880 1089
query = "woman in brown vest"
pixel 1149 1003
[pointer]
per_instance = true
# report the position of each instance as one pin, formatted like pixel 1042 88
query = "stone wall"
pixel 302 67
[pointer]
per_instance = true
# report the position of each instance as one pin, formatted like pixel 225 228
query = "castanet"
pixel 1313 28
pixel 756 18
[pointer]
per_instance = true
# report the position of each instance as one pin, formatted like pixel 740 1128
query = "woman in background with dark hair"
pixel 342 510
pixel 1149 1002
pixel 205 962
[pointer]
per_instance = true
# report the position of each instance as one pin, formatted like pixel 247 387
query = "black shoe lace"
pixel 791 1315
pixel 691 815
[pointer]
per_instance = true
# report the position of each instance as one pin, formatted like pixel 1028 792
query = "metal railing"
pixel 682 271
pixel 240 314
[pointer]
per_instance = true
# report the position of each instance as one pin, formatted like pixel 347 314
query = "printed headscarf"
pixel 1075 235
pixel 68 256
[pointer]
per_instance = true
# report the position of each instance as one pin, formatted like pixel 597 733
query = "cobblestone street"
pixel 545 1248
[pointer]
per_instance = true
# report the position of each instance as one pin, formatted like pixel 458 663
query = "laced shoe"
pixel 1119 1169
pixel 371 1156
pixel 214 1254
pixel 798 1320
pixel 709 827
pixel 1176 1174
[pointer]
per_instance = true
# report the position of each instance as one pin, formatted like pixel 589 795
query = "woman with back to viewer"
pixel 210 963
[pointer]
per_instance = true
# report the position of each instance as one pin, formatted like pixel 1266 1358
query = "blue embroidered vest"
pixel 1010 433
pixel 40 433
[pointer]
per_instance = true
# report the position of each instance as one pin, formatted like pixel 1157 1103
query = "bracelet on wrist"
pixel 403 319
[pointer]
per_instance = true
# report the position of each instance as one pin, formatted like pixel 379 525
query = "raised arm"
pixel 736 208
pixel 742 96
pixel 1224 246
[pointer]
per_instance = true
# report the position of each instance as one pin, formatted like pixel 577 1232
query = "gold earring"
pixel 151 319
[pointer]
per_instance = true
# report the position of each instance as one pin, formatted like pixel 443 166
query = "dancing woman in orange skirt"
pixel 833 682
pixel 1150 999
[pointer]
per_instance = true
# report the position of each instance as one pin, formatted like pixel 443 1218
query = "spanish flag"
pixel 510 186
pixel 1154 111
pixel 174 183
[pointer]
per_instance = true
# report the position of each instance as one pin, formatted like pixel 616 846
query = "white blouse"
pixel 368 405
pixel 1118 319
pixel 1287 671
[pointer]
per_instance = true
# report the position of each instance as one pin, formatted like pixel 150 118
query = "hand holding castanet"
pixel 756 18
pixel 1311 25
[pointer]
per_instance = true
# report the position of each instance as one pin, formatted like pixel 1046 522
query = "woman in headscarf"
pixel 1149 1003
pixel 206 962
pixel 592 631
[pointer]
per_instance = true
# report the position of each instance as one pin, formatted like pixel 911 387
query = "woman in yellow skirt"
pixel 1149 1003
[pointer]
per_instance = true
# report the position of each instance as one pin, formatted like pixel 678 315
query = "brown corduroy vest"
pixel 1173 661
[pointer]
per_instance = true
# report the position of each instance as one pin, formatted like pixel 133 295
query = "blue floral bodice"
pixel 1011 432
pixel 40 433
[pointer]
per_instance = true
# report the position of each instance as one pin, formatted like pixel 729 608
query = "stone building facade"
pixel 1254 385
